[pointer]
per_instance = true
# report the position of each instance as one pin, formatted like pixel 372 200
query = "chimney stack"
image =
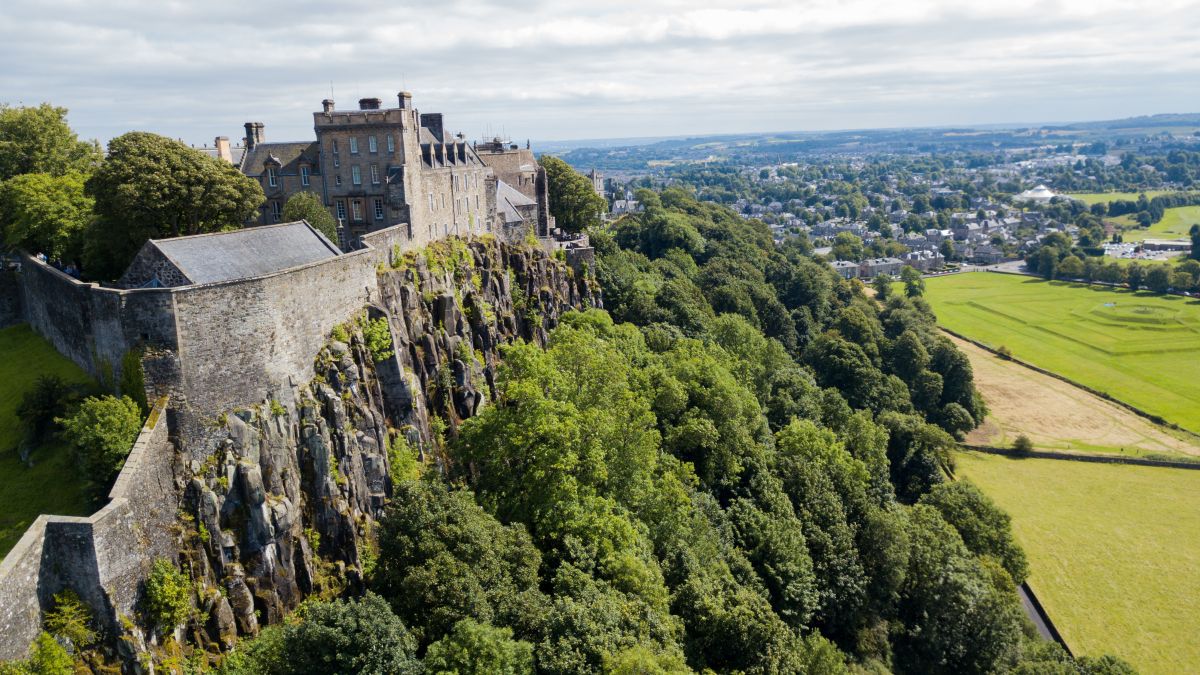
pixel 405 100
pixel 254 134
pixel 433 122
pixel 327 105
pixel 222 145
pixel 369 103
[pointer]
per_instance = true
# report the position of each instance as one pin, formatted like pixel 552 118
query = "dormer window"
pixel 272 176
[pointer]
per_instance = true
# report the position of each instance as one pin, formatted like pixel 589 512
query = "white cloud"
pixel 572 69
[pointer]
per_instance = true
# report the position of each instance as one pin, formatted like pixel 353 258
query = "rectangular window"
pixel 374 174
pixel 378 209
pixel 356 175
pixel 354 145
pixel 391 143
pixel 372 146
pixel 337 180
pixel 272 176
pixel 304 175
pixel 356 209
pixel 431 203
pixel 341 211
pixel 276 211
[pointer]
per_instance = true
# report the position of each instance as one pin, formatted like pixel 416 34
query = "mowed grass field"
pixel 52 485
pixel 1175 224
pixel 1090 198
pixel 1139 348
pixel 1114 552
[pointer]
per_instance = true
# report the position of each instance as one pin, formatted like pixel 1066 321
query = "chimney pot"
pixel 327 105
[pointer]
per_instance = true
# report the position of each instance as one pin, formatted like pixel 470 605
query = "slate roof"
pixel 508 198
pixel 288 155
pixel 245 253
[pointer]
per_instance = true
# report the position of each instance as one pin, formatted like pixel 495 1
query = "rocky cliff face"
pixel 283 506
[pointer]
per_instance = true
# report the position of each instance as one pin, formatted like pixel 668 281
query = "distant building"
pixel 1039 195
pixel 845 268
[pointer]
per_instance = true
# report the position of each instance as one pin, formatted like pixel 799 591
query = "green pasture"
pixel 1175 224
pixel 1090 198
pixel 1139 348
pixel 52 485
pixel 1113 552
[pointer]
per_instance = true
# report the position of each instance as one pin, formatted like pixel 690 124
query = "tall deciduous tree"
pixel 43 213
pixel 573 202
pixel 308 206
pixel 152 186
pixel 39 140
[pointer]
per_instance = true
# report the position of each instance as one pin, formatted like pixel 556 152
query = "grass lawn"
pixel 52 484
pixel 1114 552
pixel 1140 348
pixel 1175 224
pixel 1090 198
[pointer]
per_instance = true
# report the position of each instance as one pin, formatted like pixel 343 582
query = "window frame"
pixel 354 145
pixel 356 175
pixel 372 145
pixel 340 208
pixel 391 144
pixel 374 174
pixel 272 176
pixel 305 175
pixel 378 205
pixel 356 210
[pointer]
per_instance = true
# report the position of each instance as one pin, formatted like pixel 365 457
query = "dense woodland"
pixel 740 467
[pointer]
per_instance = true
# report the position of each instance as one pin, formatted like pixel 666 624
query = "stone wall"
pixel 91 325
pixel 11 311
pixel 104 557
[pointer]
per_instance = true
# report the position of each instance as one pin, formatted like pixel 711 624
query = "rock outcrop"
pixel 283 505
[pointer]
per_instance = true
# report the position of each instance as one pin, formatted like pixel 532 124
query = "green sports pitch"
pixel 1139 348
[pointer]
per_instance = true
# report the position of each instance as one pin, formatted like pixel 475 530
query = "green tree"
pixel 882 284
pixel 1194 233
pixel 573 202
pixel 474 648
pixel 168 596
pixel 1158 278
pixel 152 186
pixel 984 528
pixel 71 620
pixel 847 246
pixel 914 285
pixel 42 213
pixel 102 432
pixel 1070 267
pixel 39 140
pixel 308 206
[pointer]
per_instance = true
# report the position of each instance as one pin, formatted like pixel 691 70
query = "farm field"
pixel 1112 549
pixel 1139 348
pixel 1059 416
pixel 1090 198
pixel 52 485
pixel 1175 224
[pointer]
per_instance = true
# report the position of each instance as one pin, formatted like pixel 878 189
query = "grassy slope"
pixel 52 485
pixel 1114 552
pixel 1175 224
pixel 1090 198
pixel 1142 350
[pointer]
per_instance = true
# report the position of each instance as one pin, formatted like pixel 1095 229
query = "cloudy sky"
pixel 565 69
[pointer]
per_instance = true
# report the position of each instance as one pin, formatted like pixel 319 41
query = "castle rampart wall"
pixel 104 557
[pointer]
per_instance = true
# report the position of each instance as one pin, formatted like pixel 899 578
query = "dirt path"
pixel 1056 415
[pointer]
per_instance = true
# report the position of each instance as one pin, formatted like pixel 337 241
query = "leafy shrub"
pixel 168 595
pixel 71 620
pixel 475 648
pixel 49 398
pixel 102 432
pixel 378 335
pixel 1022 445
pixel 340 333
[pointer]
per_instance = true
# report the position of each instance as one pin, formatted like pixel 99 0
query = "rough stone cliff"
pixel 283 504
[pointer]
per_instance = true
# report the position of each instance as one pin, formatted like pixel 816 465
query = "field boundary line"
pixel 1081 457
pixel 1157 419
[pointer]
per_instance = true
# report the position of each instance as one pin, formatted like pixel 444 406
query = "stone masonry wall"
pixel 104 557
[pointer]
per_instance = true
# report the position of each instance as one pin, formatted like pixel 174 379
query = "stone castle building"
pixel 377 167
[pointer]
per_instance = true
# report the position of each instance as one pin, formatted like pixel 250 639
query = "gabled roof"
pixel 508 199
pixel 245 253
pixel 286 153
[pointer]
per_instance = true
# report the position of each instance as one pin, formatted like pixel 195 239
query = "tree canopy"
pixel 308 206
pixel 37 139
pixel 573 202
